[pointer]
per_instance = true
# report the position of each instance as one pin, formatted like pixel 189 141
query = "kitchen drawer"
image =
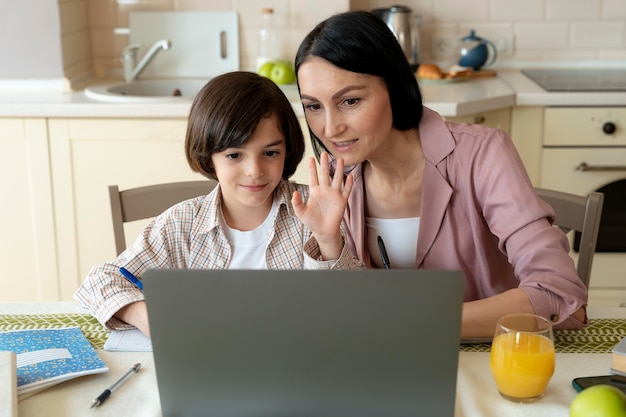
pixel 583 126
pixel 495 118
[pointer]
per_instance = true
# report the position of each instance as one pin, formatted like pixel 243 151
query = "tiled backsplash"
pixel 541 31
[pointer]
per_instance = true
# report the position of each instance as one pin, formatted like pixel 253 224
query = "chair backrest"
pixel 581 214
pixel 149 201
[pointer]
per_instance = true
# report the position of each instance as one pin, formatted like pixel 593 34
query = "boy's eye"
pixel 233 155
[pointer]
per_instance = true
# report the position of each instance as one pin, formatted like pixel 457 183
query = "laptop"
pixel 268 343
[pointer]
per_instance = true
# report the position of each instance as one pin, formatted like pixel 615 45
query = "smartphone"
pixel 581 383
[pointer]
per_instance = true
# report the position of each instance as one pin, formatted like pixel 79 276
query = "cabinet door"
pixel 27 243
pixel 87 156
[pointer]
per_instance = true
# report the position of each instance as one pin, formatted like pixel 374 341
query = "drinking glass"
pixel 522 356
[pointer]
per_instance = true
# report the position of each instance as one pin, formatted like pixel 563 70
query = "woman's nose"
pixel 333 125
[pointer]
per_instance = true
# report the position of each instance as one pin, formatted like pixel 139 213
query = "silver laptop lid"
pixel 305 343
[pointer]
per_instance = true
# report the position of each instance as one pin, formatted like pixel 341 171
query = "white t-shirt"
pixel 249 247
pixel 399 237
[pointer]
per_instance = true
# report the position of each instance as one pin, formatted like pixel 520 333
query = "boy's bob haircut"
pixel 226 112
pixel 359 41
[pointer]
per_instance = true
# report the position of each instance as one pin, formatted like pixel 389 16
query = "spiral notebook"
pixel 305 343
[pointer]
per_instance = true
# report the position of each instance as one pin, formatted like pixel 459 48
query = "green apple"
pixel 266 69
pixel 283 73
pixel 599 401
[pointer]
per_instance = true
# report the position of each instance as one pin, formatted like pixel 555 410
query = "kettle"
pixel 405 27
pixel 475 51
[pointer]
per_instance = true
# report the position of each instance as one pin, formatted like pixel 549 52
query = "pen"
pixel 107 392
pixel 383 253
pixel 131 278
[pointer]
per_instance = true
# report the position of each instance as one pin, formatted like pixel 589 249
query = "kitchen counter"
pixel 528 93
pixel 510 88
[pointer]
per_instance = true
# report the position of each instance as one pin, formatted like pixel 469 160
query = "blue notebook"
pixel 46 357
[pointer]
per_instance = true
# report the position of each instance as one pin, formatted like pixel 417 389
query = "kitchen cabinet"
pixel 523 125
pixel 575 137
pixel 27 243
pixel 496 118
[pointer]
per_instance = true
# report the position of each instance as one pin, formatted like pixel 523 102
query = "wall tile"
pixel 542 36
pixel 189 5
pixel 573 9
pixel 517 11
pixel 73 16
pixel 597 35
pixel 476 10
pixel 614 10
pixel 102 13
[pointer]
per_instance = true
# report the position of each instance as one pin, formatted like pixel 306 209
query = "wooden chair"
pixel 581 214
pixel 149 201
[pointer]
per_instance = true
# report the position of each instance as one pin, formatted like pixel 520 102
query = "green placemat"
pixel 95 332
pixel 600 336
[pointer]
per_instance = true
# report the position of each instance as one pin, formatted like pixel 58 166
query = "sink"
pixel 158 90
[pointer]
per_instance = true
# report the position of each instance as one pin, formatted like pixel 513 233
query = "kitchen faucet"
pixel 132 71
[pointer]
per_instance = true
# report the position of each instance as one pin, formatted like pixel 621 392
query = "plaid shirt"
pixel 189 236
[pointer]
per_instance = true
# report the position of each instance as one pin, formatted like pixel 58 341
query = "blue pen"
pixel 131 278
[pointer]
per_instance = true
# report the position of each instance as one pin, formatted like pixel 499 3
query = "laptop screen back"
pixel 305 343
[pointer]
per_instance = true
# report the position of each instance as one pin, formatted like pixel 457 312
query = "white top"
pixel 249 246
pixel 399 237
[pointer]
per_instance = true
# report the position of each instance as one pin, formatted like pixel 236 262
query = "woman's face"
pixel 348 111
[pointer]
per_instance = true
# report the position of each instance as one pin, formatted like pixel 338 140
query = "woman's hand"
pixel 323 212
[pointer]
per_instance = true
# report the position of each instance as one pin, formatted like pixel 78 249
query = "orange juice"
pixel 522 364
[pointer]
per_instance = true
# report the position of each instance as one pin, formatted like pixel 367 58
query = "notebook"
pixel 305 343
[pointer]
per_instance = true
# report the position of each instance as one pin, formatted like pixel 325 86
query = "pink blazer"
pixel 480 214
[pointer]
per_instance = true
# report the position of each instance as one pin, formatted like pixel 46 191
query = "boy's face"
pixel 248 175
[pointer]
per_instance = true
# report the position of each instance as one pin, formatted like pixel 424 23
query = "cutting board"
pixel 204 44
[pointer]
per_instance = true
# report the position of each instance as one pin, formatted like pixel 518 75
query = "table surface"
pixel 476 391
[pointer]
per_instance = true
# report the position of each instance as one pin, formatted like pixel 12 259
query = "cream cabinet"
pixel 27 242
pixel 523 124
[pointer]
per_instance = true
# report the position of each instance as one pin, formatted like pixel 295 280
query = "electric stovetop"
pixel 577 79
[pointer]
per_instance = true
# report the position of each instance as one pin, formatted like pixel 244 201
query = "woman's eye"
pixel 271 153
pixel 312 107
pixel 351 101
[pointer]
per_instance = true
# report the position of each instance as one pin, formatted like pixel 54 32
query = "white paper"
pixel 128 341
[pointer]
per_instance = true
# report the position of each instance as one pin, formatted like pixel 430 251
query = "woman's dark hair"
pixel 359 41
pixel 226 112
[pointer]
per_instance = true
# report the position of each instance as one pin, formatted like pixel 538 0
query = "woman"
pixel 441 195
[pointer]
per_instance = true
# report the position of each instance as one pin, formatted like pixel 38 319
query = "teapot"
pixel 405 27
pixel 475 51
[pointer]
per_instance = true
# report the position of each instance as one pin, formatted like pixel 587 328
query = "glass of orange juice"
pixel 522 356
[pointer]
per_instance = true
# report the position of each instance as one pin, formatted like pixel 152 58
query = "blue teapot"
pixel 475 51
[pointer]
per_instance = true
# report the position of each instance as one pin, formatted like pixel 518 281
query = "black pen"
pixel 107 392
pixel 383 253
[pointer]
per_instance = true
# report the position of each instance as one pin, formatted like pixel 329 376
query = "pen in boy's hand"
pixel 129 276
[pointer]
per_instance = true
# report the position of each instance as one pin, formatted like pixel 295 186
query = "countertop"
pixel 509 88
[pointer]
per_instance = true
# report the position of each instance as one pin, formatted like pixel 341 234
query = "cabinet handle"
pixel 584 167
